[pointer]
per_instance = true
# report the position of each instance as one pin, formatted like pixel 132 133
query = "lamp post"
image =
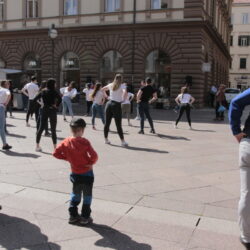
pixel 53 35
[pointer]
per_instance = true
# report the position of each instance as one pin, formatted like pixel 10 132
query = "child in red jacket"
pixel 81 156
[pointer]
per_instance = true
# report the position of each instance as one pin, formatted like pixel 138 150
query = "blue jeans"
pixel 144 110
pixel 2 123
pixel 67 105
pixel 96 108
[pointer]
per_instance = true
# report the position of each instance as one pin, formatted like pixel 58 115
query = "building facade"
pixel 240 45
pixel 173 41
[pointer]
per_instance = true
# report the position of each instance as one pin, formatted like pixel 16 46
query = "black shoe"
pixel 47 134
pixel 141 132
pixel 246 245
pixel 152 131
pixel 74 219
pixel 86 221
pixel 7 147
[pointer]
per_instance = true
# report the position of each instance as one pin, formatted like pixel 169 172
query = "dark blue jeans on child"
pixel 82 187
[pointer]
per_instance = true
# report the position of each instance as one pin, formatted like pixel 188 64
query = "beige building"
pixel 173 41
pixel 240 45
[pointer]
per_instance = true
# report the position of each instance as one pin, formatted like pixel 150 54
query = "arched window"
pixel 111 63
pixel 70 69
pixel 32 62
pixel 70 61
pixel 158 68
pixel 2 64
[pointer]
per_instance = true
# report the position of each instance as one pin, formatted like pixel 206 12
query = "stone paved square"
pixel 175 190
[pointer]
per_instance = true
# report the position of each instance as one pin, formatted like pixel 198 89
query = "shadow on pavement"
pixel 17 233
pixel 16 136
pixel 203 130
pixel 150 150
pixel 169 137
pixel 16 154
pixel 115 239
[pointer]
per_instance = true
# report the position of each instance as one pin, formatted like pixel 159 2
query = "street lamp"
pixel 53 35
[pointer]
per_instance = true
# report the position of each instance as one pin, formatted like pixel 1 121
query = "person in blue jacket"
pixel 236 109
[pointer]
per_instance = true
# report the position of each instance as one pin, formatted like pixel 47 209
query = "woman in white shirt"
pixel 184 100
pixel 126 106
pixel 88 91
pixel 68 94
pixel 4 100
pixel 117 95
pixel 98 97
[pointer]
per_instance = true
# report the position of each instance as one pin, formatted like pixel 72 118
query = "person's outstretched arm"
pixel 93 156
pixel 59 152
pixel 235 113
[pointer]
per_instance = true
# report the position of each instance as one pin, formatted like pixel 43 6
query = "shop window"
pixel 32 8
pixel 112 5
pixel 158 68
pixel 32 62
pixel 70 61
pixel 70 7
pixel 1 10
pixel 2 64
pixel 243 63
pixel 244 40
pixel 159 4
pixel 112 62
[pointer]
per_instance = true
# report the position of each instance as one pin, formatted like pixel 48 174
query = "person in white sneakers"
pixel 31 90
pixel 118 93
pixel 5 97
pixel 68 93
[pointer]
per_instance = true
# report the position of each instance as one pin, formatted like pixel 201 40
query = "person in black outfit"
pixel 146 96
pixel 51 100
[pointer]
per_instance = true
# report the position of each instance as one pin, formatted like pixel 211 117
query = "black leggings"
pixel 33 107
pixel 113 109
pixel 89 106
pixel 39 122
pixel 187 108
pixel 51 114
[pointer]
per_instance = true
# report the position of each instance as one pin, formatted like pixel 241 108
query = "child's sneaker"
pixel 86 221
pixel 74 219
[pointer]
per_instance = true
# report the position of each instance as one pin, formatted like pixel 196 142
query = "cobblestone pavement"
pixel 175 190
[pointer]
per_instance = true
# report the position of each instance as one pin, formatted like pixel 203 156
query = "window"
pixel 244 40
pixel 245 18
pixel 70 61
pixel 70 7
pixel 32 8
pixel 1 10
pixel 2 64
pixel 231 40
pixel 159 4
pixel 112 5
pixel 243 63
pixel 112 62
pixel 32 62
pixel 232 19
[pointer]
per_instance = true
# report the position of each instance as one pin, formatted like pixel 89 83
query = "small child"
pixel 80 154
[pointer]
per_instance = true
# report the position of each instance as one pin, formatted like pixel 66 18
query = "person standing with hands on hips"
pixel 31 90
pixel 5 97
pixel 146 95
pixel 237 106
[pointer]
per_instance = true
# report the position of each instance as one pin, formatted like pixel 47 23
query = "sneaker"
pixel 137 118
pixel 141 132
pixel 65 119
pixel 47 134
pixel 152 131
pixel 175 126
pixel 27 125
pixel 38 149
pixel 190 128
pixel 94 128
pixel 124 144
pixel 86 221
pixel 107 141
pixel 74 219
pixel 7 147
pixel 245 244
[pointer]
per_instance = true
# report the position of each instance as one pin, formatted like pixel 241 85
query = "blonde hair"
pixel 117 82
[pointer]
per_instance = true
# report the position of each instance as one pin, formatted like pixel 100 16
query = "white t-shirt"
pixel 98 99
pixel 4 94
pixel 129 96
pixel 65 92
pixel 32 90
pixel 88 93
pixel 184 98
pixel 116 95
